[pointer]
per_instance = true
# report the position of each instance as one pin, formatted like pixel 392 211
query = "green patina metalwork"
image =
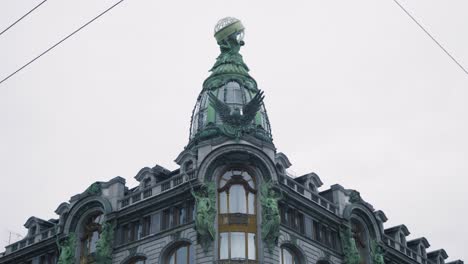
pixel 235 123
pixel 104 244
pixel 67 250
pixel 350 251
pixel 94 189
pixel 229 65
pixel 270 215
pixel 205 202
pixel 377 253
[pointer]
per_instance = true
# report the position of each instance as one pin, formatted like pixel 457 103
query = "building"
pixel 231 200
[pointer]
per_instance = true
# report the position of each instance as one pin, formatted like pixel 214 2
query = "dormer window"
pixel 312 187
pixel 402 239
pixel 147 183
pixel 441 260
pixel 280 168
pixel 422 251
pixel 188 166
pixel 32 230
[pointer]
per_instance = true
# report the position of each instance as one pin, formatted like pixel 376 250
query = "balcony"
pixel 405 250
pixel 31 240
pixel 157 189
pixel 303 191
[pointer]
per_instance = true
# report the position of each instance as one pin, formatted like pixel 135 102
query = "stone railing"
pixel 31 239
pixel 302 190
pixel 405 250
pixel 156 189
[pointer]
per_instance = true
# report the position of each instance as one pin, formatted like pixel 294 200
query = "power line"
pixel 429 34
pixel 21 18
pixel 62 40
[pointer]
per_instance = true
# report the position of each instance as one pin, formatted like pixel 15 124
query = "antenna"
pixel 10 233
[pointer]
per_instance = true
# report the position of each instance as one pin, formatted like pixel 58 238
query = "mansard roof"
pixel 397 228
pixel 311 178
pixel 436 253
pixel 41 222
pixel 418 241
pixel 455 262
pixel 156 171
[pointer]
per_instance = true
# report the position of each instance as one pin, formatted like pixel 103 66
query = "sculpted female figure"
pixel 205 201
pixel 270 214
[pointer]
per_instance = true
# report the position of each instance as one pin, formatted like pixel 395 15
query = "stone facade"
pixel 231 172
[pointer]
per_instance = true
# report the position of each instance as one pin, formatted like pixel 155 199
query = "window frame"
pixel 173 252
pixel 229 222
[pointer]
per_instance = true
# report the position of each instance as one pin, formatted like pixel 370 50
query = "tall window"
pixel 288 256
pixel 237 216
pixel 90 236
pixel 180 255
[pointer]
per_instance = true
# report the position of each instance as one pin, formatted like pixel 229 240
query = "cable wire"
pixel 21 18
pixel 62 40
pixel 429 34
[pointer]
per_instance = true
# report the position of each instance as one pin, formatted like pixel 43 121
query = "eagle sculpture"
pixel 235 117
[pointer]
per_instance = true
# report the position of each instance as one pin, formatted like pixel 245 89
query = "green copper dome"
pixel 230 104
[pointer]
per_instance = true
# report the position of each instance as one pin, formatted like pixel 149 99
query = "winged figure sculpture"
pixel 235 117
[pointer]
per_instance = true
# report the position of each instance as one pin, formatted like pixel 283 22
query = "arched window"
pixel 89 236
pixel 288 256
pixel 188 166
pixel 137 260
pixel 146 182
pixel 180 255
pixel 237 216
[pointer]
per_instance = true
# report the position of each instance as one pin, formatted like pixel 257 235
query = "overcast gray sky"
pixel 355 92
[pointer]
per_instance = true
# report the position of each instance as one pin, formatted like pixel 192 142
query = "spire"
pixel 229 34
pixel 230 104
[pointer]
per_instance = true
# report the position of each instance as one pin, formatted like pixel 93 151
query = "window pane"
pixel 93 243
pixel 251 208
pixel 287 257
pixel 222 183
pixel 223 246
pixel 252 246
pixel 237 245
pixel 182 219
pixel 251 183
pixel 155 223
pixel 223 203
pixel 182 255
pixel 237 203
pixel 192 255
